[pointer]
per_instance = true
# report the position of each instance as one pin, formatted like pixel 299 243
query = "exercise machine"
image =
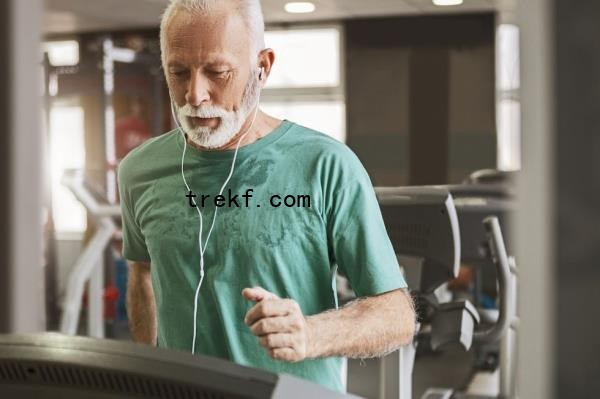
pixel 53 366
pixel 423 225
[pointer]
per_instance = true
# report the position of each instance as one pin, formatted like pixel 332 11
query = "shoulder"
pixel 331 159
pixel 320 147
pixel 150 152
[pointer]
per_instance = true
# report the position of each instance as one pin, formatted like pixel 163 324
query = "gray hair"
pixel 250 10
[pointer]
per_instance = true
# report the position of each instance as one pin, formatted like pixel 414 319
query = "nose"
pixel 197 91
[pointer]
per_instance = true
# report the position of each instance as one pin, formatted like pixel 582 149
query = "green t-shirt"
pixel 290 251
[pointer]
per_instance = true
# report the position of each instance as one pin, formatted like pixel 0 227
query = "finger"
pixel 284 354
pixel 257 294
pixel 267 308
pixel 273 325
pixel 272 341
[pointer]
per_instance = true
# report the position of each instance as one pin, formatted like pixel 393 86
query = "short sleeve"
pixel 134 244
pixel 359 240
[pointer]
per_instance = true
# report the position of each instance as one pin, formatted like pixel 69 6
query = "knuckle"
pixel 259 326
pixel 260 308
pixel 265 325
pixel 270 340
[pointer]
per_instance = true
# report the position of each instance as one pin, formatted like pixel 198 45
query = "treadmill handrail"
pixel 73 180
pixel 89 264
pixel 500 258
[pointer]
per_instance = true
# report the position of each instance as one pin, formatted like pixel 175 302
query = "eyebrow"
pixel 175 65
pixel 219 61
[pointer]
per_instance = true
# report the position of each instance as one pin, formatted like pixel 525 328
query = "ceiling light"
pixel 62 53
pixel 300 7
pixel 443 3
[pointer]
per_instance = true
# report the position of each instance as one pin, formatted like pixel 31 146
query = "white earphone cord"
pixel 203 249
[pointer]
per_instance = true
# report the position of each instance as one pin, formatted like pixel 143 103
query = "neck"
pixel 248 134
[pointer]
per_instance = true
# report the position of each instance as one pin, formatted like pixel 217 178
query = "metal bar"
pixel 508 344
pixel 96 303
pixel 73 180
pixel 82 271
pixel 90 264
pixel 395 375
pixel 108 79
pixel 505 293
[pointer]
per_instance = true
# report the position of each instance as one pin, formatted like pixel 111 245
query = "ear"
pixel 266 58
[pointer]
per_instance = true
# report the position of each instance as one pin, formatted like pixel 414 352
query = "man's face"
pixel 208 69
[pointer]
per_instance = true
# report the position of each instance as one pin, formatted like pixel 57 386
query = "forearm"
pixel 141 309
pixel 367 327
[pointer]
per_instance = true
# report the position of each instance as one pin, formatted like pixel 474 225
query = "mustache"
pixel 203 111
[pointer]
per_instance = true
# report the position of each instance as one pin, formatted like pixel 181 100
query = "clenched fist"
pixel 279 325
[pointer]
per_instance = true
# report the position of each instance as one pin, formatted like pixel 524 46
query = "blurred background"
pixel 425 92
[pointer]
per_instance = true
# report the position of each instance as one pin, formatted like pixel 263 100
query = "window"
pixel 66 152
pixel 325 116
pixel 305 57
pixel 508 107
pixel 308 93
pixel 509 138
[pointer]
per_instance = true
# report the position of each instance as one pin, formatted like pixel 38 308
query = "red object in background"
pixel 130 132
pixel 111 295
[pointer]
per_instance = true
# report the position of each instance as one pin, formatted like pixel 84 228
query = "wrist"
pixel 311 341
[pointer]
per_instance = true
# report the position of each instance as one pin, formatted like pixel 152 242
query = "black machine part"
pixel 422 223
pixel 454 322
pixel 58 366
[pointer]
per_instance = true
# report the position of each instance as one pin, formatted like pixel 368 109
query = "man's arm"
pixel 141 309
pixel 368 327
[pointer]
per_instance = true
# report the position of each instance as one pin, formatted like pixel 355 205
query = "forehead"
pixel 196 37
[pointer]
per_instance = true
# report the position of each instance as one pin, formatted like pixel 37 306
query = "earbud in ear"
pixel 261 74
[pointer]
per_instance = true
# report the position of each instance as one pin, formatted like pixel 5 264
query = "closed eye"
pixel 179 73
pixel 219 73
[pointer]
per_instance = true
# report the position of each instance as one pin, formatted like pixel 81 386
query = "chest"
pixel 281 214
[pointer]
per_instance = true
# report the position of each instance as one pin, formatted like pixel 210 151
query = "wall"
pixel 21 260
pixel 420 92
pixel 577 194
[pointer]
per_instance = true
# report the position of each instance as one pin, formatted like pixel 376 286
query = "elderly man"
pixel 252 282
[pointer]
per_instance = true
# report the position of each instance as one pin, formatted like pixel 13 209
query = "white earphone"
pixel 203 248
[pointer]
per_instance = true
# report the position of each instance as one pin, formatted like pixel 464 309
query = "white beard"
pixel 230 122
